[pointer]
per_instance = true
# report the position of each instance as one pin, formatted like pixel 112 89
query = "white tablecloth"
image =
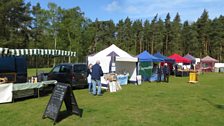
pixel 6 92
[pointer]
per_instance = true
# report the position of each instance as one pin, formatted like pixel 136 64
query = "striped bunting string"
pixel 4 51
pixel 35 52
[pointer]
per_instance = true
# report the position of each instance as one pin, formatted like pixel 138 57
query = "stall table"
pixel 13 89
pixel 182 73
pixel 122 79
pixel 30 88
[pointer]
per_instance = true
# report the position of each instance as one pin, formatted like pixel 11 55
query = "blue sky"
pixel 140 9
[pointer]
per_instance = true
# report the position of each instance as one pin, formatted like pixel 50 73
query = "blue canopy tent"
pixel 146 57
pixel 146 64
pixel 166 59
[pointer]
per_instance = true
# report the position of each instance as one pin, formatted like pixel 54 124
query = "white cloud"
pixel 114 6
pixel 149 8
pixel 132 10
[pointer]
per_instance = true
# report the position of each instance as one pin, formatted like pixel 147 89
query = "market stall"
pixel 191 58
pixel 219 67
pixel 146 61
pixel 13 68
pixel 116 60
pixel 166 59
pixel 208 63
pixel 179 59
pixel 179 68
pixel 10 91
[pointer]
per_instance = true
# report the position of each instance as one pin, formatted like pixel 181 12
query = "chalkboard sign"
pixel 62 92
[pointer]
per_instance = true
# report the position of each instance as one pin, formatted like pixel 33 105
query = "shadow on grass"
pixel 219 106
pixel 64 114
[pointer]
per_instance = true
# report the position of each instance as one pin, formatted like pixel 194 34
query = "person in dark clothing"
pixel 155 68
pixel 159 72
pixel 95 76
pixel 89 78
pixel 176 68
pixel 192 67
pixel 166 72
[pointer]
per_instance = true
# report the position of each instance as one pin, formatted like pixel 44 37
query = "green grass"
pixel 32 71
pixel 150 104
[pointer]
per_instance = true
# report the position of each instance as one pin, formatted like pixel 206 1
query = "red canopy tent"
pixel 179 59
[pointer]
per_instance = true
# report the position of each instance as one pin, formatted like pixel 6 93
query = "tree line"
pixel 26 26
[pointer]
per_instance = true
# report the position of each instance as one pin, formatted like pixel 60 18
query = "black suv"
pixel 74 74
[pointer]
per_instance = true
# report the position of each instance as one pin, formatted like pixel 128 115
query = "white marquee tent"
pixel 124 63
pixel 218 66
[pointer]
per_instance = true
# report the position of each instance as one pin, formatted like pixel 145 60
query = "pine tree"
pixel 153 33
pixel 137 36
pixel 129 44
pixel 193 40
pixel 166 45
pixel 176 35
pixel 203 33
pixel 160 31
pixel 217 38
pixel 15 23
pixel 146 35
pixel 119 35
pixel 185 37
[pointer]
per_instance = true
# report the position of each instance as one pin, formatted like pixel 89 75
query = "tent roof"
pixel 112 54
pixel 112 49
pixel 190 57
pixel 179 59
pixel 145 56
pixel 208 59
pixel 166 59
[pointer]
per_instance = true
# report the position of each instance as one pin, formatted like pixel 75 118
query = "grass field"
pixel 150 104
pixel 32 72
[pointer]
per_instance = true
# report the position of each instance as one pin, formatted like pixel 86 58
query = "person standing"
pixel 95 76
pixel 166 72
pixel 89 72
pixel 175 68
pixel 159 72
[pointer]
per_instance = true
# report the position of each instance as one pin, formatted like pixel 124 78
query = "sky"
pixel 116 10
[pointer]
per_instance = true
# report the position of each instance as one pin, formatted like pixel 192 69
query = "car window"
pixel 65 69
pixel 56 69
pixel 80 68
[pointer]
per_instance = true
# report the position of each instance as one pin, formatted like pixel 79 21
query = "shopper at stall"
pixel 89 72
pixel 175 69
pixel 95 76
pixel 159 74
pixel 192 67
pixel 166 72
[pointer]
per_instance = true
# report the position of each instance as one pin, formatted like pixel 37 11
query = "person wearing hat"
pixel 166 72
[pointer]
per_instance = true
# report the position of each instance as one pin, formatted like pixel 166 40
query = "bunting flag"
pixel 4 51
pixel 35 52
